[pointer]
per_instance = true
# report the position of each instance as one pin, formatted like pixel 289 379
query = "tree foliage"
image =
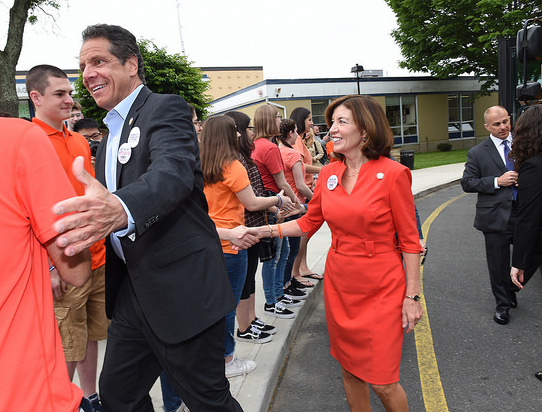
pixel 21 12
pixel 164 73
pixel 447 38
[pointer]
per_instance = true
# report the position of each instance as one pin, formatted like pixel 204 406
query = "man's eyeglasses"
pixel 77 115
pixel 251 128
pixel 197 123
pixel 92 136
pixel 278 116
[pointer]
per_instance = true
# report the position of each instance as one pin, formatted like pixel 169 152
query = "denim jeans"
pixel 293 242
pixel 273 272
pixel 236 266
pixel 171 400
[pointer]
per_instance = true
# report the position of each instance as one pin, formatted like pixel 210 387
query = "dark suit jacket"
pixel 494 206
pixel 175 261
pixel 528 234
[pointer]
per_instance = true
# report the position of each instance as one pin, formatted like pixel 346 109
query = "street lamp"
pixel 357 69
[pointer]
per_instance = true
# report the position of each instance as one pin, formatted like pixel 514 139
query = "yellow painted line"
pixel 433 393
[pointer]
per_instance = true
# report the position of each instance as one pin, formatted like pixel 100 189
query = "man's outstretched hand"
pixel 96 214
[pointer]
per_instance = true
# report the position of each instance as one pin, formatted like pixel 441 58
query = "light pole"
pixel 357 69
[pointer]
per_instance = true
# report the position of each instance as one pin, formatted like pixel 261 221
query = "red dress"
pixel 365 283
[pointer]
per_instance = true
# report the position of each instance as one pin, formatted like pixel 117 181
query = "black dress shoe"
pixel 513 300
pixel 501 316
pixel 538 375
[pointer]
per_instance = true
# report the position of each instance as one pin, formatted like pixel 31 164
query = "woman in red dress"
pixel 372 281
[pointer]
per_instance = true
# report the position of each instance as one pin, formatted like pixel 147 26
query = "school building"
pixel 422 111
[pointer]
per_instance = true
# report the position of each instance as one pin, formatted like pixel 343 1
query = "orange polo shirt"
pixel 68 146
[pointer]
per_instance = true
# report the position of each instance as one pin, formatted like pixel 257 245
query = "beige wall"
pixel 223 82
pixel 432 121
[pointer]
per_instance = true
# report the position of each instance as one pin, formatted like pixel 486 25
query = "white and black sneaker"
pixel 278 310
pixel 289 302
pixel 294 293
pixel 253 335
pixel 264 327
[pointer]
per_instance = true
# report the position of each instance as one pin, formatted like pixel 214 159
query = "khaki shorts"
pixel 81 315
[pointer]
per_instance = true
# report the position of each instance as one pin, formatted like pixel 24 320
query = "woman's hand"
pixel 412 313
pixel 240 238
pixel 517 276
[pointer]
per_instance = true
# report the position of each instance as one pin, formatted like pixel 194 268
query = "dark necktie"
pixel 509 165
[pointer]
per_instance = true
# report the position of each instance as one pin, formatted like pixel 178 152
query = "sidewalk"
pixel 254 391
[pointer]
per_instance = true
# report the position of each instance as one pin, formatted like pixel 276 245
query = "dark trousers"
pixel 135 357
pixel 498 262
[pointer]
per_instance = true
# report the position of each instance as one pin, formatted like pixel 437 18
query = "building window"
pixel 460 116
pixel 318 110
pixel 403 118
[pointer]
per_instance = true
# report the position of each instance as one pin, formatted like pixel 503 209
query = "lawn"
pixel 430 159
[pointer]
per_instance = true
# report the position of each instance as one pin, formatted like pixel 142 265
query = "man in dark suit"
pixel 487 174
pixel 167 290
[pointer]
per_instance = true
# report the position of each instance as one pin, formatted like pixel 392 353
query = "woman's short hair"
pixel 299 115
pixel 218 147
pixel 527 141
pixel 246 144
pixel 265 121
pixel 367 115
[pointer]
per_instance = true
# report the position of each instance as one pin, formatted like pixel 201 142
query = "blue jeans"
pixel 236 266
pixel 171 400
pixel 294 249
pixel 273 272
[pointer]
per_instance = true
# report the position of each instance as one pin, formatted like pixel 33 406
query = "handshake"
pixel 242 237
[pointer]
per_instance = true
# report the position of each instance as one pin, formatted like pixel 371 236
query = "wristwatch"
pixel 415 298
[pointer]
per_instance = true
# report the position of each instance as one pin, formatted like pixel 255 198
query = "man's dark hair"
pixel 123 44
pixel 85 123
pixel 37 77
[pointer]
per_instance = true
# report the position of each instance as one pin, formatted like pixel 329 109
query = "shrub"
pixel 444 147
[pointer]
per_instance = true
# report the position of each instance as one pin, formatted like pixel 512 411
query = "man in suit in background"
pixel 167 290
pixel 490 173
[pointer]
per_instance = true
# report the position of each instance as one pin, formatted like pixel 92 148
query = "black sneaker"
pixel 264 327
pixel 289 302
pixel 278 310
pixel 298 285
pixel 294 293
pixel 253 335
pixel 94 401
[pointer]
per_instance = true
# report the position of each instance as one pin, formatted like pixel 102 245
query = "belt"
pixel 362 247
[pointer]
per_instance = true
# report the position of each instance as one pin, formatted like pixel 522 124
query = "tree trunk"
pixel 9 57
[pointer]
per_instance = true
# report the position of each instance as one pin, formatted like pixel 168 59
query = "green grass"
pixel 430 159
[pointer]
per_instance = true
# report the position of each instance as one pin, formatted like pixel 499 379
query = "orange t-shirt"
pixel 34 373
pixel 224 208
pixel 306 157
pixel 68 146
pixel 290 157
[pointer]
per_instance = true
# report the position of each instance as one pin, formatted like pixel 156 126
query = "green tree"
pixel 21 12
pixel 447 38
pixel 164 73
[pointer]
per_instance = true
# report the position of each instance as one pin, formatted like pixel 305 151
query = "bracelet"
pixel 270 230
pixel 52 268
pixel 280 232
pixel 277 212
pixel 279 203
pixel 306 206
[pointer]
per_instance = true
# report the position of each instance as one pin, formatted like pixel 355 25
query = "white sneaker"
pixel 239 366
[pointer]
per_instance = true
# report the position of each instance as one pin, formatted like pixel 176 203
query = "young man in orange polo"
pixel 80 312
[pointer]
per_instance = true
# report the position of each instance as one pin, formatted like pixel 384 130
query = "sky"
pixel 291 39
